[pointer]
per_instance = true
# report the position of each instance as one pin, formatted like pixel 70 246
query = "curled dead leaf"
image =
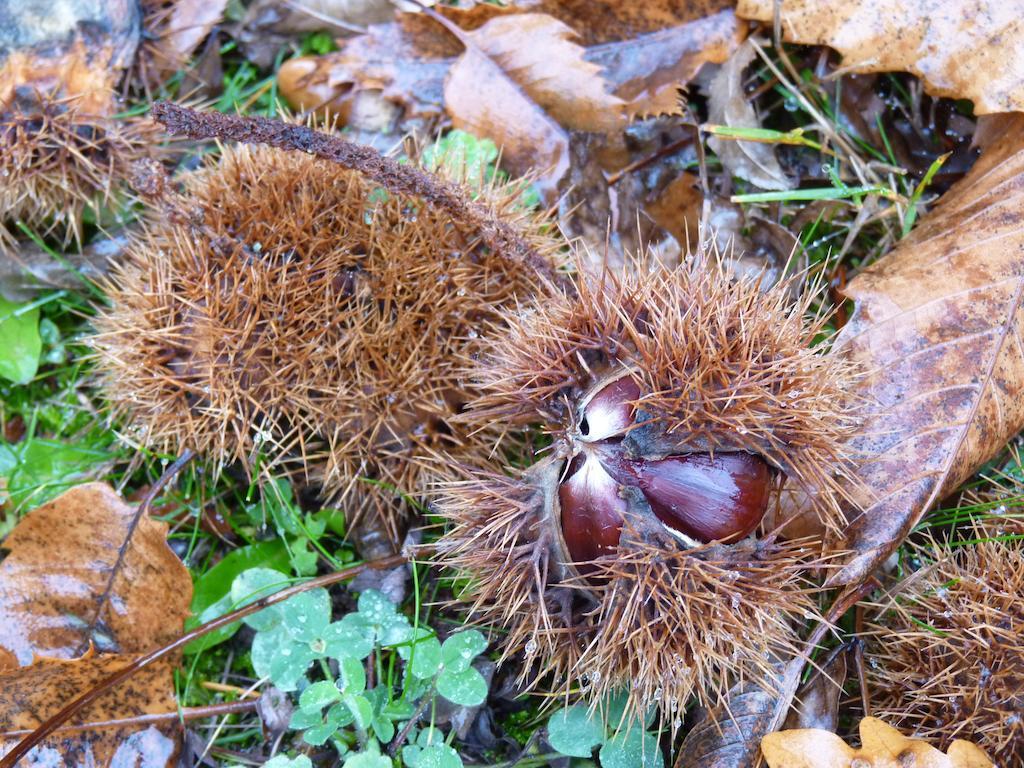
pixel 729 105
pixel 882 747
pixel 964 49
pixel 937 330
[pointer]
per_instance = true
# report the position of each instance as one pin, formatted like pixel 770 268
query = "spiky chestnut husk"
pixel 61 150
pixel 291 314
pixel 946 658
pixel 670 385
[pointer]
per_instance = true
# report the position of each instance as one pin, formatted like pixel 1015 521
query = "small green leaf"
pixel 467 688
pixel 575 732
pixel 411 755
pixel 383 728
pixel 460 649
pixel 276 656
pixel 249 586
pixel 425 651
pixel 302 719
pixel 439 756
pixel 212 593
pixel 634 748
pixel 361 709
pixel 307 614
pixel 353 676
pixel 319 695
pixel 319 734
pixel 280 761
pixel 368 760
pixel 375 607
pixel 351 638
pixel 20 342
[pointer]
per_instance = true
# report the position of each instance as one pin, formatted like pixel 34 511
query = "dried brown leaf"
pixel 937 328
pixel 188 23
pixel 79 577
pixel 28 696
pixel 74 577
pixel 729 105
pixel 728 739
pixel 595 88
pixel 971 49
pixel 817 702
pixel 484 98
pixel 882 747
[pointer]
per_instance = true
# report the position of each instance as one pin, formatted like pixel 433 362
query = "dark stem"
pixel 396 742
pixel 143 509
pixel 55 721
pixel 187 713
pixel 400 179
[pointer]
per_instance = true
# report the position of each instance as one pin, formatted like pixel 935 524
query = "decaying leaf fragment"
pixel 971 49
pixel 729 105
pixel 882 746
pixel 80 595
pixel 522 75
pixel 937 326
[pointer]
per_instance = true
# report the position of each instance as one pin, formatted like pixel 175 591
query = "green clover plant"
pixel 576 732
pixel 325 664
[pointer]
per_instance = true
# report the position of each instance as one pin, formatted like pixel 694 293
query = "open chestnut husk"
pixel 701 496
pixel 635 553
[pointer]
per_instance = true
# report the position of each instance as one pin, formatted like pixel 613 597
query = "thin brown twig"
pixel 55 721
pixel 186 713
pixel 143 509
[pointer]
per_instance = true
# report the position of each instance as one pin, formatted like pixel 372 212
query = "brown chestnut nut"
pixel 720 497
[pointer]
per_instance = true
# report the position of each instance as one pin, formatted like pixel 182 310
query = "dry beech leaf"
pixel 596 88
pixel 28 696
pixel 971 49
pixel 882 747
pixel 816 704
pixel 188 24
pixel 482 99
pixel 536 51
pixel 937 329
pixel 72 577
pixel 77 578
pixel 729 105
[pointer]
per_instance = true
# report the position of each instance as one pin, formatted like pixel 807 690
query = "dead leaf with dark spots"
pixel 73 578
pixel 729 105
pixel 937 329
pixel 963 49
pixel 882 747
pixel 28 696
pixel 32 269
pixel 78 577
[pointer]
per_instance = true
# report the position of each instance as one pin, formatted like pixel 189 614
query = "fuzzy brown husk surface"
pixel 287 314
pixel 722 365
pixel 61 149
pixel 947 654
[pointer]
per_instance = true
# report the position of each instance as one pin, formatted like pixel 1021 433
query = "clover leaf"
pixel 574 731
